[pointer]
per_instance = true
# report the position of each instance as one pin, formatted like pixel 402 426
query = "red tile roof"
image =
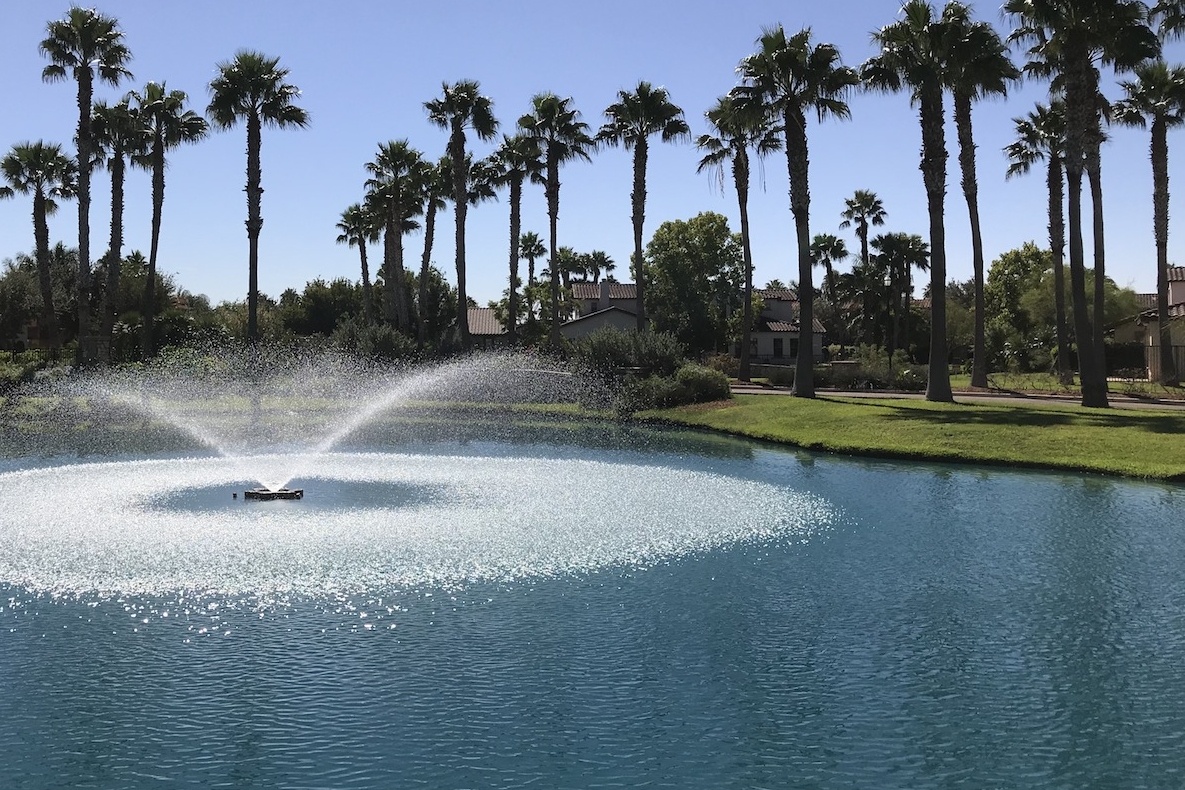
pixel 584 290
pixel 483 321
pixel 781 294
pixel 1176 274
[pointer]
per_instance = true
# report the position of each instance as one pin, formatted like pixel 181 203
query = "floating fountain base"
pixel 267 494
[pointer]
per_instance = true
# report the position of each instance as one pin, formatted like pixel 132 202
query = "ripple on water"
pixel 369 522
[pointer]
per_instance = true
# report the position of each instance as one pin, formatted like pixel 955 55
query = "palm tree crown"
pixel 863 209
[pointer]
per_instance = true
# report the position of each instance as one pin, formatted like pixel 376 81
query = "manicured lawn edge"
pixel 1145 444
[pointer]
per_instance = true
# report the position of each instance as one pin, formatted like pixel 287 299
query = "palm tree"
pixel 562 136
pixel 915 53
pixel 598 263
pixel 1040 136
pixel 898 254
pixel 1157 94
pixel 359 227
pixel 863 209
pixel 1067 39
pixel 394 190
pixel 515 160
pixel 253 88
pixel 634 118
pixel 530 246
pixel 739 127
pixel 169 124
pixel 462 106
pixel 436 187
pixel 979 66
pixel 83 45
pixel 41 169
pixel 119 133
pixel 790 77
pixel 826 250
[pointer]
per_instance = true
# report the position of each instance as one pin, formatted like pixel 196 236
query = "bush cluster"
pixel 692 383
pixel 611 352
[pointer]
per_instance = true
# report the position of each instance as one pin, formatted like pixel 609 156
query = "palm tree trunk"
pixel 971 193
pixel 797 163
pixel 390 295
pixel 425 262
pixel 1094 174
pixel 934 176
pixel 553 213
pixel 85 352
pixel 49 318
pixel 148 346
pixel 1057 244
pixel 516 199
pixel 530 290
pixel 402 313
pixel 1160 212
pixel 110 290
pixel 740 174
pixel 461 210
pixel 638 204
pixel 367 293
pixel 254 225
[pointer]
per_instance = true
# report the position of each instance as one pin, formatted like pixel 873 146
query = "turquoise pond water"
pixel 705 613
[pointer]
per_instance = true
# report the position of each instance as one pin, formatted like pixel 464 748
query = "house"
pixel 485 330
pixel 776 338
pixel 609 318
pixel 593 297
pixel 1143 328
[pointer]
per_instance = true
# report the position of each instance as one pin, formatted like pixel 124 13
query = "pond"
pixel 647 609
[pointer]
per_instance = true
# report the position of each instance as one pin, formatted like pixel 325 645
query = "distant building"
pixel 593 297
pixel 485 330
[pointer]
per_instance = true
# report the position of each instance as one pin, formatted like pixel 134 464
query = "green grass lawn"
pixel 1133 443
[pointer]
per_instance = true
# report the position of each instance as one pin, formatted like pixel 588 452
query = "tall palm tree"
pixel 517 159
pixel 1068 39
pixel 119 133
pixel 863 209
pixel 599 264
pixel 915 54
pixel 462 106
pixel 357 228
pixel 436 187
pixel 1157 95
pixel 898 254
pixel 979 67
pixel 530 246
pixel 1040 136
pixel 791 77
pixel 634 118
pixel 170 124
pixel 41 169
pixel 562 137
pixel 84 45
pixel 739 127
pixel 394 191
pixel 826 250
pixel 254 88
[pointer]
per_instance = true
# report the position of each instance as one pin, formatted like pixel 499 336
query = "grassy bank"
pixel 1144 444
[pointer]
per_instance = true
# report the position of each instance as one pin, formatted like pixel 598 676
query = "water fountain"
pixel 474 595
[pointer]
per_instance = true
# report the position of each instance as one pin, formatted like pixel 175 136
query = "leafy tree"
pixel 254 89
pixel 462 106
pixel 84 45
pixel 1067 39
pixel 915 55
pixel 357 228
pixel 41 169
pixel 562 137
pixel 979 66
pixel 1041 136
pixel 738 128
pixel 791 77
pixel 1157 94
pixel 169 125
pixel 634 118
pixel 696 268
pixel 19 300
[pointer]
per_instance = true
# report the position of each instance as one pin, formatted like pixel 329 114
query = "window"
pixel 777 348
pixel 794 348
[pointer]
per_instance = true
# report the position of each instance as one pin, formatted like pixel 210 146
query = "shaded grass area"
pixel 1145 444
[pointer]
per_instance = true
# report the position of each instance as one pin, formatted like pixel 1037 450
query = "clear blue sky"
pixel 365 69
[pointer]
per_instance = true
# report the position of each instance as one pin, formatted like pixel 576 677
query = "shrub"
pixel 725 363
pixel 702 384
pixel 378 341
pixel 610 351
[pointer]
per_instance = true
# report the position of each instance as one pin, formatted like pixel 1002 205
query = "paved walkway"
pixel 1117 400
